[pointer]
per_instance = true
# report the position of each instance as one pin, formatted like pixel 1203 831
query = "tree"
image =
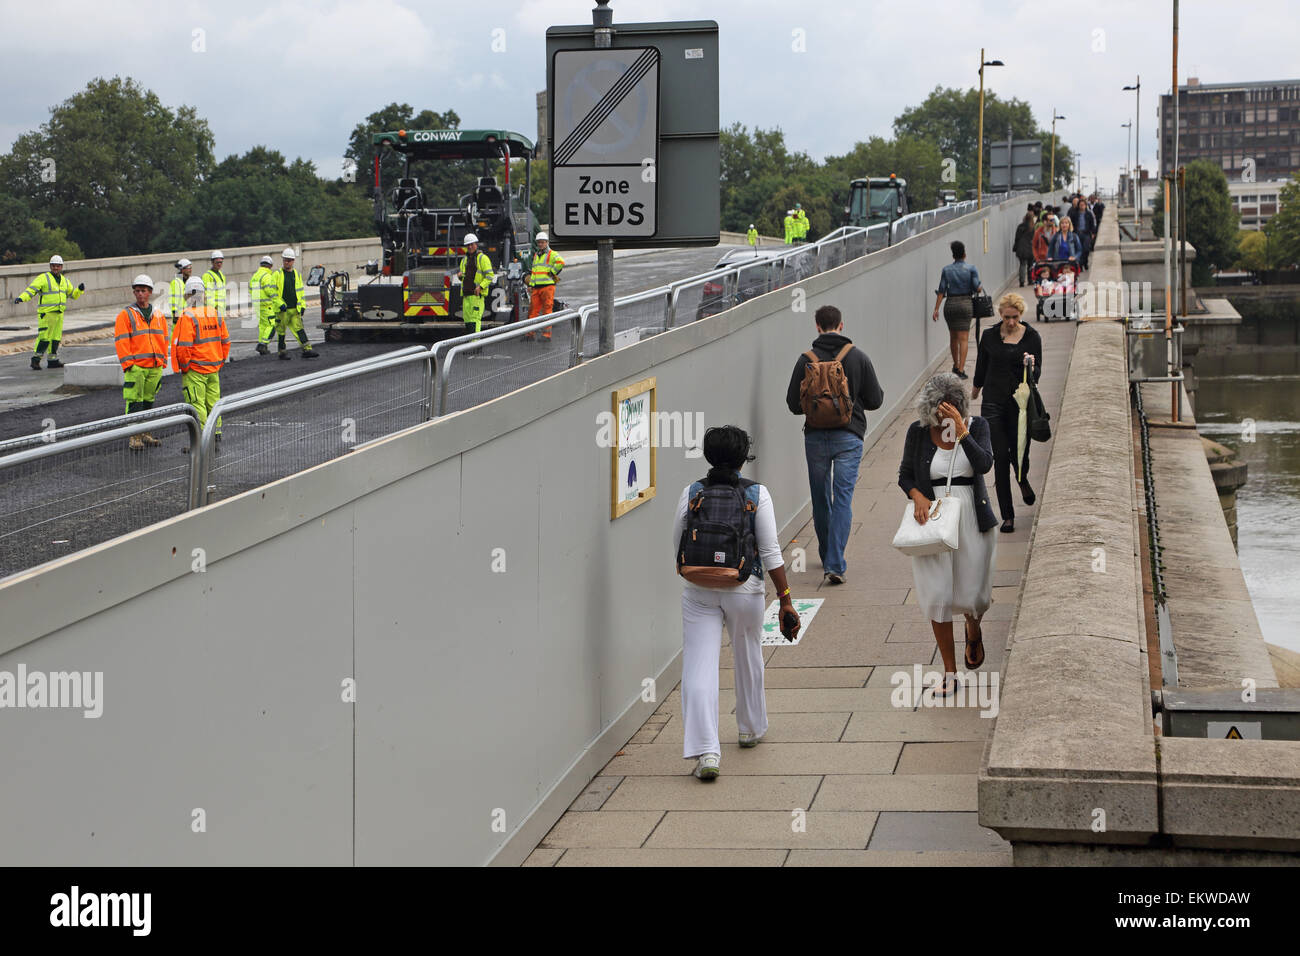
pixel 259 198
pixel 24 238
pixel 1283 230
pixel 1254 252
pixel 1212 224
pixel 918 161
pixel 949 118
pixel 108 164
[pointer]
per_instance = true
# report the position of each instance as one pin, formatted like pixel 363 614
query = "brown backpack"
pixel 824 394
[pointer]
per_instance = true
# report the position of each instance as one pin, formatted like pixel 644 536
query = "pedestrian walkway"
pixel 843 776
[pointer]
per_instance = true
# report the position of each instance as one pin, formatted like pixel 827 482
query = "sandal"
pixel 947 687
pixel 977 644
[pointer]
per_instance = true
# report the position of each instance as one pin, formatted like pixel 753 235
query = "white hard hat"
pixel 183 264
pixel 193 284
pixel 56 260
pixel 218 254
pixel 143 279
pixel 751 225
pixel 470 237
pixel 543 236
pixel 265 261
pixel 288 254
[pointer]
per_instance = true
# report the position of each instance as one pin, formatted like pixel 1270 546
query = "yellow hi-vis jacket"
pixel 214 291
pixel 54 292
pixel 262 290
pixel 276 291
pixel 485 276
pixel 546 268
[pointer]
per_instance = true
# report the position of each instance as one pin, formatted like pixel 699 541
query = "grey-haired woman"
pixel 959 581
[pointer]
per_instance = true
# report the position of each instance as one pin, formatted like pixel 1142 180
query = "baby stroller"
pixel 1054 289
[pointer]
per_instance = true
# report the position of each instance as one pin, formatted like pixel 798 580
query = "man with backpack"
pixel 833 386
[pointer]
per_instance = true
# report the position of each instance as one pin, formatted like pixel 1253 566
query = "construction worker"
pixel 286 288
pixel 545 273
pixel 474 284
pixel 788 223
pixel 751 237
pixel 199 349
pixel 214 284
pixel 176 289
pixel 141 339
pixel 54 289
pixel 800 223
pixel 264 307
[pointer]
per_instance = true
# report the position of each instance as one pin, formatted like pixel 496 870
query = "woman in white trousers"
pixel 740 608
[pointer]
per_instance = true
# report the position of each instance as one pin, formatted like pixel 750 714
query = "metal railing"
pixel 1155 550
pixel 480 370
pixel 274 430
pixel 55 435
pixel 310 420
pixel 65 496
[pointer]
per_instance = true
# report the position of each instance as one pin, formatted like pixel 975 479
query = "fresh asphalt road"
pixel 29 398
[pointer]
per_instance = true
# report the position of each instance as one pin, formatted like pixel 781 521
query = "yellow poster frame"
pixel 618 506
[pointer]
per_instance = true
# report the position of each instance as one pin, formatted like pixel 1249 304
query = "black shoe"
pixel 262 349
pixel 310 353
pixel 36 363
pixel 284 355
pixel 1008 526
pixel 1027 493
pixel 961 373
pixel 53 363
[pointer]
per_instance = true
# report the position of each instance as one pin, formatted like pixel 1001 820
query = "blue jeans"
pixel 833 459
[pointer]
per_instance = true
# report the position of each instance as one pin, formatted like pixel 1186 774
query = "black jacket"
pixel 919 449
pixel 999 367
pixel 863 384
pixel 1023 245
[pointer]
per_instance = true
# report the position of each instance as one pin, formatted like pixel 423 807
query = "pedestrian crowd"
pixel 724 530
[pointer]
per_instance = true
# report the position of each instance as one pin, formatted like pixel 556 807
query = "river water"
pixel 1248 398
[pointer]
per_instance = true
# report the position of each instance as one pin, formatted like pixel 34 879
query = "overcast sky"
pixel 297 76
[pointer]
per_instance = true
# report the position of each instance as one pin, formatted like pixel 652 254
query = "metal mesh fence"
pixel 496 366
pixel 700 298
pixel 287 433
pixel 40 439
pixel 645 311
pixel 754 279
pixel 70 499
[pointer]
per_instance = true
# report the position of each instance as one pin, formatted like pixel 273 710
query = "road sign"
pixel 604 112
pixel 605 143
pixel 1026 166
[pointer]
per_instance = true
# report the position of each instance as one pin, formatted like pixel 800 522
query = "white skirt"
pixel 961 581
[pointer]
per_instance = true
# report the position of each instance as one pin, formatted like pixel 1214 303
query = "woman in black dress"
pixel 999 368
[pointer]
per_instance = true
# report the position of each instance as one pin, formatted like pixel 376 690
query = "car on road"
pixel 759 271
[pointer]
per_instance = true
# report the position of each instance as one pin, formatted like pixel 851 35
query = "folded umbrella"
pixel 1021 396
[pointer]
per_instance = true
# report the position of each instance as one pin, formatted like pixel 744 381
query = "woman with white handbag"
pixel 948 527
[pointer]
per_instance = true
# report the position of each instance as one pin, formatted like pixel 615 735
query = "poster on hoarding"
pixel 633 452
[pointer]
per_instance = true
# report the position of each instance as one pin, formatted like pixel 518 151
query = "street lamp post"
pixel 1137 153
pixel 979 175
pixel 1051 177
pixel 1128 148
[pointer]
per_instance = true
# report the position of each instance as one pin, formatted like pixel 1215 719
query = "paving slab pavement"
pixel 852 772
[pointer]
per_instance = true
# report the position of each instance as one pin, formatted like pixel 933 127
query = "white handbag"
pixel 939 533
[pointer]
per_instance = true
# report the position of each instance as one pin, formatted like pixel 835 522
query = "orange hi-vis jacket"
pixel 140 342
pixel 202 342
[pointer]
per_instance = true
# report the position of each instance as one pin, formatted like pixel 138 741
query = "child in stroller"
pixel 1055 283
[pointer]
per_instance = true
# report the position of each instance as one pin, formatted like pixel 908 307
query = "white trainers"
pixel 707 768
pixel 749 740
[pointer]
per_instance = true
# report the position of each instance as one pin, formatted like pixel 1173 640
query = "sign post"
pixel 602 19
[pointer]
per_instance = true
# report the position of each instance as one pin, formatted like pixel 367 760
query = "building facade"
pixel 1250 130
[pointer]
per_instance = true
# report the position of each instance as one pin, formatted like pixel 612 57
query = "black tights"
pixel 1003 417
